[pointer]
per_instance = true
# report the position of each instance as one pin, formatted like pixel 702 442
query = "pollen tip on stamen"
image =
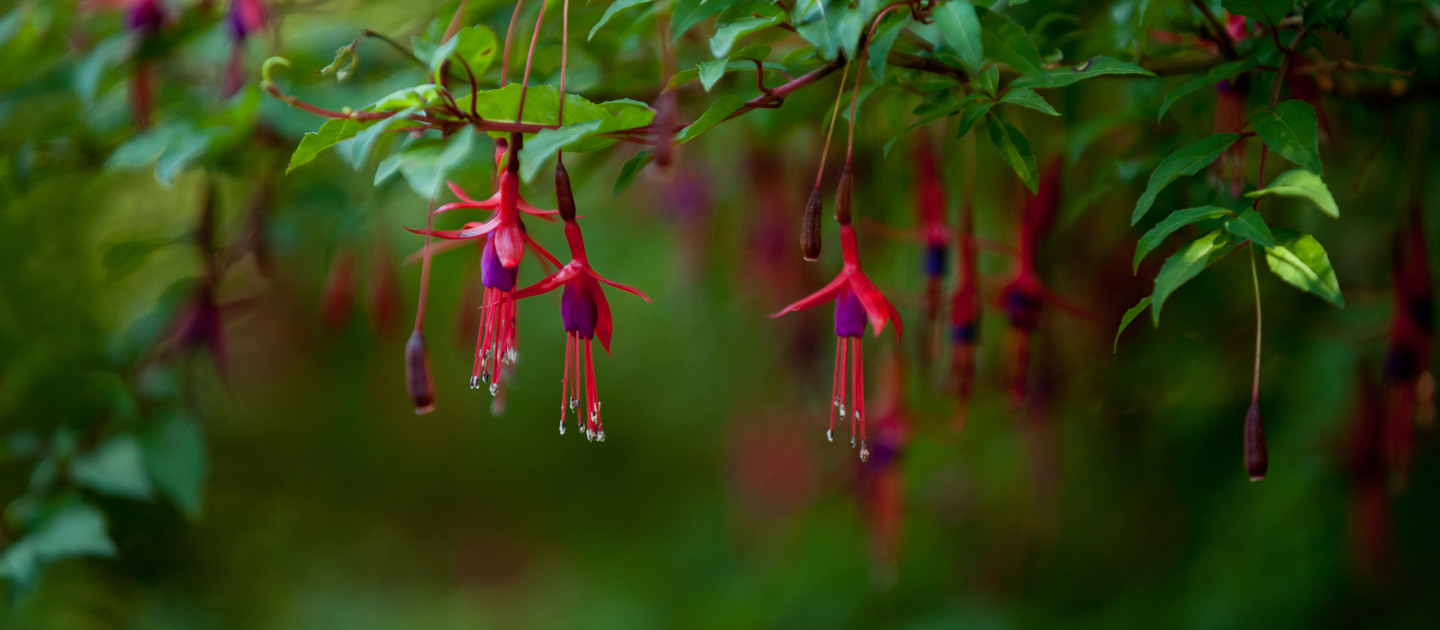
pixel 864 452
pixel 852 441
pixel 600 437
pixel 562 427
pixel 474 382
pixel 495 387
pixel 830 435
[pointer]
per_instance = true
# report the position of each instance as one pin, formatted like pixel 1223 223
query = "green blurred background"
pixel 1114 497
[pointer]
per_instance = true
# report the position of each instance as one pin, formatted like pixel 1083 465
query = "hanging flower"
pixel 857 304
pixel 585 313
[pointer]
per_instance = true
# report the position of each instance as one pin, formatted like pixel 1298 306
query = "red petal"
pixel 549 283
pixel 471 230
pixel 819 297
pixel 877 308
pixel 461 205
pixel 604 325
pixel 548 215
pixel 628 289
pixel 455 188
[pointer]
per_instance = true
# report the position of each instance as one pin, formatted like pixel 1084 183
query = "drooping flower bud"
pixel 843 195
pixel 564 196
pixel 417 375
pixel 810 227
pixel 1256 459
pixel 339 292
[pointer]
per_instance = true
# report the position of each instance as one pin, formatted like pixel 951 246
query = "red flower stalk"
pixel 934 234
pixel 584 312
pixel 1230 118
pixel 857 304
pixel 1410 351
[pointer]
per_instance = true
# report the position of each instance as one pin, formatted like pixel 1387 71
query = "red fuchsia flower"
pixel 584 312
pixel 504 244
pixel 1230 118
pixel 245 18
pixel 1409 355
pixel 965 306
pixel 934 234
pixel 1370 521
pixel 857 304
pixel 880 485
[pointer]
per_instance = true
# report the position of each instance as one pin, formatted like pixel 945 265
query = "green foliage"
pixel 1015 150
pixel 1291 130
pixel 1301 261
pixel 1188 160
pixel 1176 220
pixel 1185 264
pixel 1303 184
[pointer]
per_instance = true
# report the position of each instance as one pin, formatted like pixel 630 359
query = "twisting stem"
pixel 509 34
pixel 835 114
pixel 1259 325
pixel 530 57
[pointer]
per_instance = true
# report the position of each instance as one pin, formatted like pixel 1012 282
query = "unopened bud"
pixel 1256 459
pixel 842 196
pixel 810 227
pixel 564 196
pixel 417 375
pixel 512 163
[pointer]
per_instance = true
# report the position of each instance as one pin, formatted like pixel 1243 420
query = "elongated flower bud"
pixel 417 375
pixel 564 196
pixel 1256 459
pixel 842 197
pixel 810 227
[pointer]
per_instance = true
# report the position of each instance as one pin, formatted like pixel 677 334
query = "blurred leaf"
pixel 364 141
pixel 537 151
pixel 1125 320
pixel 1026 97
pixel 960 28
pixel 989 81
pixel 105 56
pixel 1006 42
pixel 688 13
pixel 879 49
pixel 1177 219
pixel 1184 265
pixel 972 114
pixel 610 11
pixel 711 71
pixel 69 528
pixel 1251 227
pixel 476 45
pixel 718 111
pixel 115 468
pixel 333 131
pixel 1301 261
pixel 1304 184
pixel 1095 67
pixel 629 171
pixel 1267 11
pixel 1209 79
pixel 176 460
pixel 1290 129
pixel 1186 161
pixel 726 35
pixel 123 258
pixel 1015 150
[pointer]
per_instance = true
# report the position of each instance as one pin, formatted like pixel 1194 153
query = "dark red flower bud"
pixel 1256 459
pixel 417 374
pixel 843 195
pixel 339 290
pixel 810 227
pixel 564 196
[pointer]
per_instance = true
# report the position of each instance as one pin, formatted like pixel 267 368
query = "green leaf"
pixel 879 49
pixel 1095 67
pixel 537 151
pixel 711 71
pixel 726 35
pixel 1304 184
pixel 629 171
pixel 1300 260
pixel 115 468
pixel 960 29
pixel 610 11
pixel 122 259
pixel 989 81
pixel 972 114
pixel 1209 79
pixel 364 141
pixel 1015 150
pixel 1007 43
pixel 1177 219
pixel 1186 161
pixel 426 165
pixel 106 55
pixel 333 131
pixel 718 111
pixel 1026 97
pixel 176 459
pixel 1129 316
pixel 477 46
pixel 1290 129
pixel 1251 227
pixel 1268 11
pixel 1184 265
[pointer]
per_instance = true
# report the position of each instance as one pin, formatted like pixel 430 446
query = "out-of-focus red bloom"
pixel 1370 526
pixel 857 303
pixel 144 19
pixel 245 18
pixel 584 312
pixel 339 292
pixel 1408 359
pixel 934 236
pixel 384 289
pixel 1230 118
pixel 1300 78
pixel 965 306
pixel 881 484
pixel 1024 297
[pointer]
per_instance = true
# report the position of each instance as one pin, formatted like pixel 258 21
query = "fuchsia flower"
pixel 584 311
pixel 245 18
pixel 504 245
pixel 857 304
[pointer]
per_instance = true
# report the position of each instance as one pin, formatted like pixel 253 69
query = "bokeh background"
pixel 291 485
